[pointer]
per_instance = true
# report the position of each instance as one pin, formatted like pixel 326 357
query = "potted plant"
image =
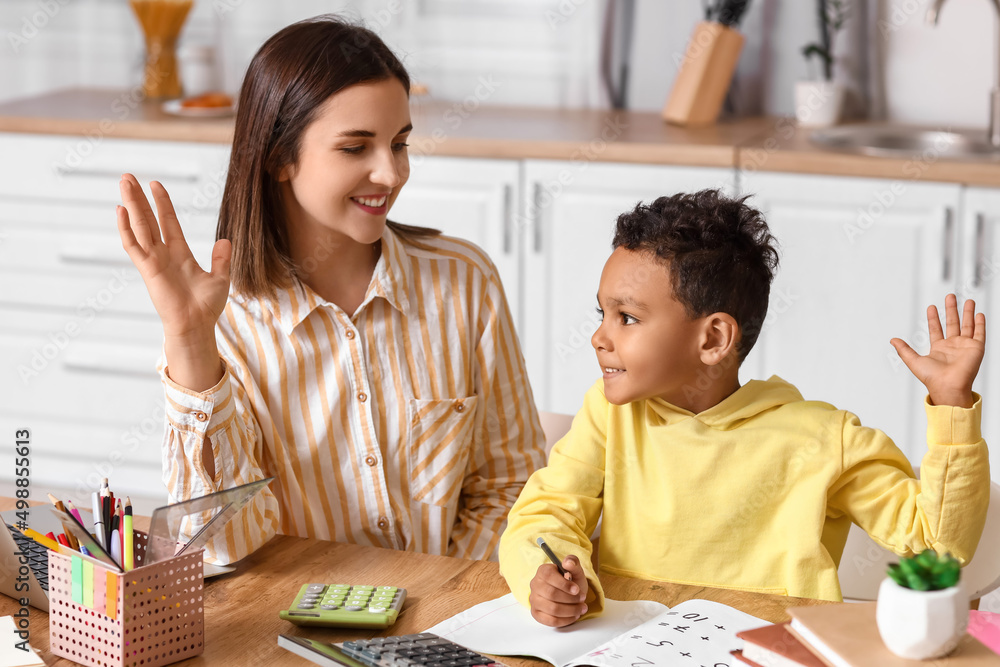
pixel 818 103
pixel 922 612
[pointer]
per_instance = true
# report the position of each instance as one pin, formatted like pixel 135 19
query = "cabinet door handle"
pixel 508 223
pixel 979 251
pixel 536 218
pixel 92 258
pixel 949 239
pixel 96 172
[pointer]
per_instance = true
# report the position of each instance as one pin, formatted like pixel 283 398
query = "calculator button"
pixel 364 588
pixel 306 605
pixel 378 610
pixel 328 607
pixel 315 588
pixel 353 607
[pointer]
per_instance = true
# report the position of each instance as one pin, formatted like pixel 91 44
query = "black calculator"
pixel 423 650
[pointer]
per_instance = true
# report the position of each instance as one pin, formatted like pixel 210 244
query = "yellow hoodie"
pixel 756 493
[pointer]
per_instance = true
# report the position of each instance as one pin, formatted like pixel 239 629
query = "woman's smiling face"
pixel 351 165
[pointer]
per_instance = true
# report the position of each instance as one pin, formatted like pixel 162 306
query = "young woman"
pixel 371 367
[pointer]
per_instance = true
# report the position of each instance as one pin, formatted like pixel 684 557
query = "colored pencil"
pixel 129 551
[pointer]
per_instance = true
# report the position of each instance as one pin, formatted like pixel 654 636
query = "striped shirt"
pixel 410 425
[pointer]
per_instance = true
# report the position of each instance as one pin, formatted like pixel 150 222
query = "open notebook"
pixel 627 634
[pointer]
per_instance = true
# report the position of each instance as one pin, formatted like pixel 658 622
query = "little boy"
pixel 706 482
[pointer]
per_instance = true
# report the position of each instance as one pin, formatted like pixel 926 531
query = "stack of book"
pixel 843 635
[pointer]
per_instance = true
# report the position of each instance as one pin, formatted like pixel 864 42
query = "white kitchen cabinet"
pixel 79 338
pixel 472 199
pixel 979 277
pixel 861 259
pixel 568 214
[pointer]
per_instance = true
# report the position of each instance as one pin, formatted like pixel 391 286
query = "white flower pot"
pixel 818 103
pixel 921 625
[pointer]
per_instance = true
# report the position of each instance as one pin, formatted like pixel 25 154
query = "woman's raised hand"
pixel 188 299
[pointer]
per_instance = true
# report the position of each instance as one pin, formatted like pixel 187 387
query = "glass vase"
pixel 161 22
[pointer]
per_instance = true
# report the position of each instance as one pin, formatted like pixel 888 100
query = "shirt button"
pixel 383 523
pixel 371 460
pixel 201 416
pixel 460 408
pixel 362 396
pixel 350 334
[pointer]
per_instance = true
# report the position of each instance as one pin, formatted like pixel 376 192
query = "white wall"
pixel 538 52
pixel 937 76
pixel 940 75
pixel 543 51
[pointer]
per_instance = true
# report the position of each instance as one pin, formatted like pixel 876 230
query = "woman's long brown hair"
pixel 292 74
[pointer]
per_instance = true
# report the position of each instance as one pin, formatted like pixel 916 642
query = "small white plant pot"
pixel 818 103
pixel 921 625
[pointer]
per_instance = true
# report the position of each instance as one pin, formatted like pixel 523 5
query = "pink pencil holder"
pixel 151 615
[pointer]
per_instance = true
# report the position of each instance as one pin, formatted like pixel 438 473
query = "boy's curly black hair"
pixel 719 251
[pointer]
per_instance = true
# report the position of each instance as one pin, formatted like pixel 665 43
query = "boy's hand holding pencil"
pixel 558 591
pixel 950 367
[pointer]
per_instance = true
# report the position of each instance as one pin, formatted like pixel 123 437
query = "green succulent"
pixel 927 571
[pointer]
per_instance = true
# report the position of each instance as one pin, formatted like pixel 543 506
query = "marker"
pixel 98 520
pixel 552 556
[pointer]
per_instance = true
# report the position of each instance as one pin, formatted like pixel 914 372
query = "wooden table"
pixel 241 609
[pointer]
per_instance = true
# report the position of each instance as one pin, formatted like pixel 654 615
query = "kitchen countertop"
pixel 472 130
pixel 786 147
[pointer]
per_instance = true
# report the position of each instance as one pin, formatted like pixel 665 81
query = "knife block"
pixel 704 75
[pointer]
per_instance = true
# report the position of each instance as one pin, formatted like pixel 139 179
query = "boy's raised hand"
pixel 952 363
pixel 558 600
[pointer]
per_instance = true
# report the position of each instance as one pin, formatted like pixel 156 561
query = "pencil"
pixel 74 511
pixel 41 539
pixel 71 540
pixel 552 556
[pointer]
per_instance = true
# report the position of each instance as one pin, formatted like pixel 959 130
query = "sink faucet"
pixel 994 138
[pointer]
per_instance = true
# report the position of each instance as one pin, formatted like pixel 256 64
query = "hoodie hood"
pixel 750 400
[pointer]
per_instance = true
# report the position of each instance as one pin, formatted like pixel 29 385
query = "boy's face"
pixel 647 346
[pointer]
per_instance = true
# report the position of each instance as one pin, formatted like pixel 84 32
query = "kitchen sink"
pixel 907 142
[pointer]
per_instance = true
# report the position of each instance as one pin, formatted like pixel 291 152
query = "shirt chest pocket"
pixel 439 443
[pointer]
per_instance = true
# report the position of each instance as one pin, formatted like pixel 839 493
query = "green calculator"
pixel 345 606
